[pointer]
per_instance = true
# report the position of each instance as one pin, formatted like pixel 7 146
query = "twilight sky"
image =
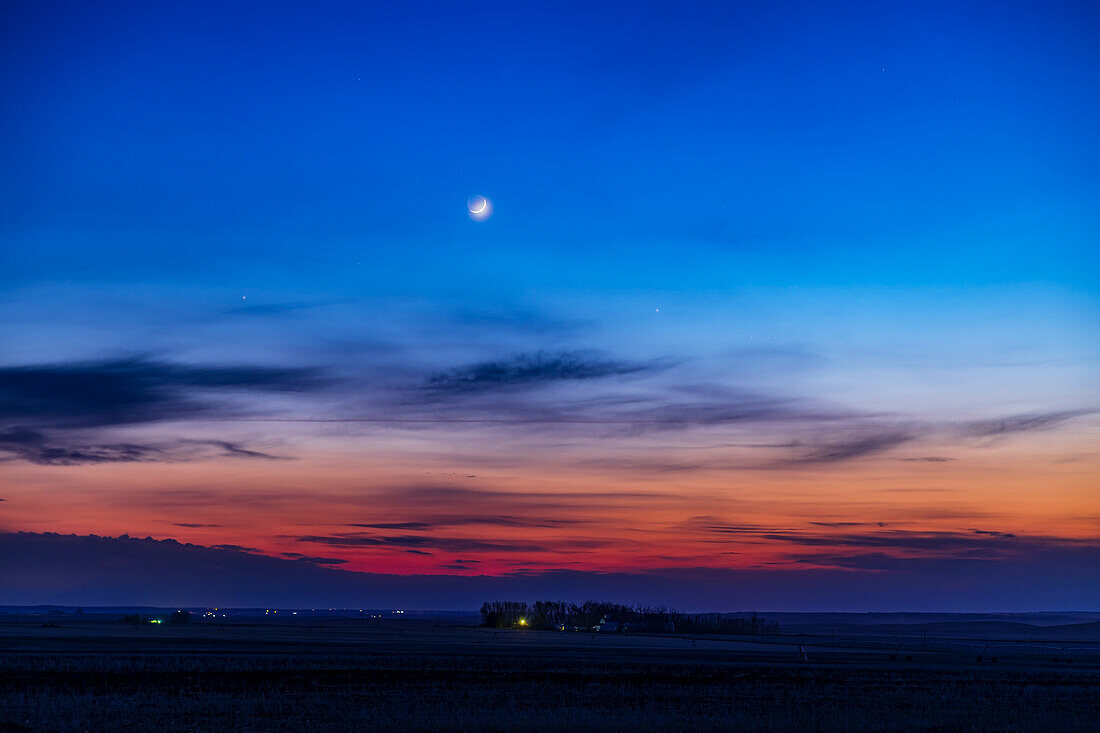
pixel 773 296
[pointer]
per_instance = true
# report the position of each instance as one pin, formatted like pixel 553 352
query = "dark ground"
pixel 346 674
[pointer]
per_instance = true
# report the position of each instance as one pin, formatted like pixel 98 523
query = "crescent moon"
pixel 484 203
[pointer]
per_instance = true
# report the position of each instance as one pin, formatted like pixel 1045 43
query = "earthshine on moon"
pixel 479 207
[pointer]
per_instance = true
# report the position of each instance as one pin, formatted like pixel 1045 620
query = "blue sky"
pixel 271 148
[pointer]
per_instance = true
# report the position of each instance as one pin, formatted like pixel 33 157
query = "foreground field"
pixel 100 676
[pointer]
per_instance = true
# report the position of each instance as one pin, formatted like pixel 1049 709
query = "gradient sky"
pixel 769 288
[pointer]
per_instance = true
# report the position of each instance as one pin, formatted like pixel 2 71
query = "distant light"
pixel 523 622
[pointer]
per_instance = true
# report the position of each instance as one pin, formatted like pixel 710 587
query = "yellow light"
pixel 523 622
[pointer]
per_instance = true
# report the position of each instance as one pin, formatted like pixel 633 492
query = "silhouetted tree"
pixel 651 619
pixel 503 614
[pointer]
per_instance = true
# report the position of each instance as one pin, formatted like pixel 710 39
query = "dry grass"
pixel 94 675
pixel 115 692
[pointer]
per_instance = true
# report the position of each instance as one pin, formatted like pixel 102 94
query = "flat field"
pixel 317 674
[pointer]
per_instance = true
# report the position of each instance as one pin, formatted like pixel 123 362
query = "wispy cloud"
pixel 879 561
pixel 927 459
pixel 856 447
pixel 63 448
pixel 993 533
pixel 971 543
pixel 63 414
pixel 447 544
pixel 515 508
pixel 132 391
pixel 459 521
pixel 527 370
pixel 238 548
pixel 848 524
pixel 71 413
pixel 1023 423
pixel 235 450
pixel 714 525
pixel 34 447
pixel 314 560
pixel 460 564
pixel 404 526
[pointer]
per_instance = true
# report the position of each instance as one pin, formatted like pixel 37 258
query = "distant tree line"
pixel 177 617
pixel 616 617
